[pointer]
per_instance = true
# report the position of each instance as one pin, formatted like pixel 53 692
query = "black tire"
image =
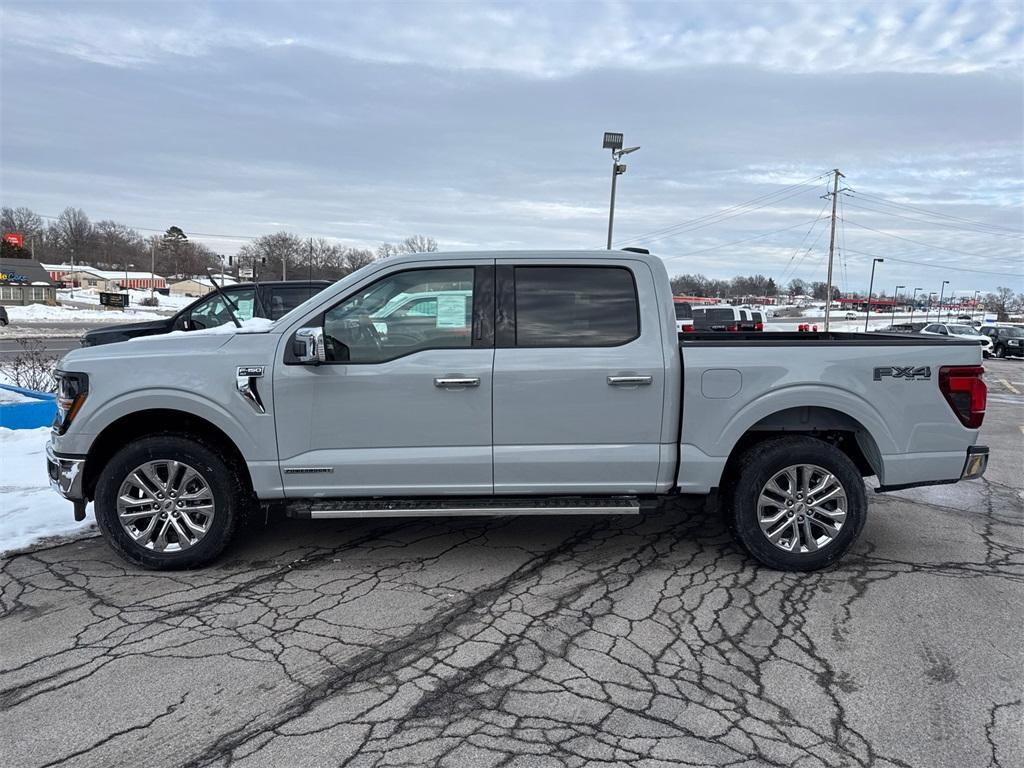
pixel 230 496
pixel 1000 351
pixel 759 464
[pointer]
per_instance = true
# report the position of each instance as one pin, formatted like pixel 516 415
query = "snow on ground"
pixel 30 510
pixel 44 313
pixel 9 397
pixel 92 296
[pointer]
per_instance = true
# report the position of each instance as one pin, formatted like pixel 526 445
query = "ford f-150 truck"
pixel 531 383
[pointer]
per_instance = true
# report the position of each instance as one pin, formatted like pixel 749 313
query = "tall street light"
pixel 871 285
pixel 975 307
pixel 941 291
pixel 913 304
pixel 613 141
pixel 928 309
pixel 895 295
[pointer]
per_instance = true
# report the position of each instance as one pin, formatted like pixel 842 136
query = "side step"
pixel 317 509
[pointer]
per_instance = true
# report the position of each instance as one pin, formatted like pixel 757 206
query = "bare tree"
pixel 73 233
pixel 1004 303
pixel 118 245
pixel 357 258
pixel 31 367
pixel 386 250
pixel 22 220
pixel 418 244
pixel 278 249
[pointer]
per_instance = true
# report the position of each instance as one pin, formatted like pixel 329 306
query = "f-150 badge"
pixel 899 372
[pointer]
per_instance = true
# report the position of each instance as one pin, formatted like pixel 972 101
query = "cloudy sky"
pixel 480 125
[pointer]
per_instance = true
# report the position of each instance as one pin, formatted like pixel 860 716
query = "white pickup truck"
pixel 529 383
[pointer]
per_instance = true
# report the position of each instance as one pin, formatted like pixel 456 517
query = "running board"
pixel 453 506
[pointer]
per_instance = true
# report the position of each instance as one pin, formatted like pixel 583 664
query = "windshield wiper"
pixel 227 300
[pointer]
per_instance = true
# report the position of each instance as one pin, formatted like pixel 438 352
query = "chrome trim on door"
pixel 629 381
pixel 457 382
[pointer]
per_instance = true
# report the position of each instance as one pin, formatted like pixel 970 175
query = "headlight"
pixel 72 389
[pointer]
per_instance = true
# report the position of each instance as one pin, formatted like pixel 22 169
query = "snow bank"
pixel 135 297
pixel 10 397
pixel 30 510
pixel 37 312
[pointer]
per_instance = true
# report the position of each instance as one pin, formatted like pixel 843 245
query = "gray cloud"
pixel 481 125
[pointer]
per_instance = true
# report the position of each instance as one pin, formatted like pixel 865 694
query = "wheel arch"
pixel 159 421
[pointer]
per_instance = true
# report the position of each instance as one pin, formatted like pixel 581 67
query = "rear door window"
pixel 575 306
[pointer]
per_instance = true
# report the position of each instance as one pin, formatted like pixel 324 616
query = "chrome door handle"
pixel 629 381
pixel 457 382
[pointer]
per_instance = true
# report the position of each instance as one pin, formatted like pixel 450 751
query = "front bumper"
pixel 66 475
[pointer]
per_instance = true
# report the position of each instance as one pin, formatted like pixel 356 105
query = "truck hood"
pixel 115 333
pixel 167 345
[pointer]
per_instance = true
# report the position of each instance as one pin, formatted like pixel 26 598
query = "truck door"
pixel 398 408
pixel 579 378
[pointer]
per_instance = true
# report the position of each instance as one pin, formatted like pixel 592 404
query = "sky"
pixel 480 124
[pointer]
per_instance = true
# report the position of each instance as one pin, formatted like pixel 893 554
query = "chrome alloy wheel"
pixel 165 506
pixel 802 508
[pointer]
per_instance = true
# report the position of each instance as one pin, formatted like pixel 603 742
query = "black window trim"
pixel 505 311
pixel 483 297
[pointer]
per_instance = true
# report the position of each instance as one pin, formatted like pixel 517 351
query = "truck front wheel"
pixel 168 502
pixel 798 503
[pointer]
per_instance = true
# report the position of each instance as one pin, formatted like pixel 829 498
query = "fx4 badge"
pixel 899 372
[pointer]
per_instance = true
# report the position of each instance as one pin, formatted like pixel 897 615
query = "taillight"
pixel 759 327
pixel 687 329
pixel 965 391
pixel 730 327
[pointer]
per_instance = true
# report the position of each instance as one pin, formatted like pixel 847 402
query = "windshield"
pixel 1014 332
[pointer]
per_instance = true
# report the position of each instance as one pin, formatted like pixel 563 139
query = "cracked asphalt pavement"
pixel 563 641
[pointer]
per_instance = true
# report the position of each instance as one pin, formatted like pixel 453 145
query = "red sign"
pixel 14 238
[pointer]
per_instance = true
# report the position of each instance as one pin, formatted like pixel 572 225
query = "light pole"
pixel 941 291
pixel 975 307
pixel 895 296
pixel 613 141
pixel 871 285
pixel 928 309
pixel 913 305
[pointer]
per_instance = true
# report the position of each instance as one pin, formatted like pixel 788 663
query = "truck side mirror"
pixel 308 346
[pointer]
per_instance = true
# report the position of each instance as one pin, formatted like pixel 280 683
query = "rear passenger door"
pixel 578 378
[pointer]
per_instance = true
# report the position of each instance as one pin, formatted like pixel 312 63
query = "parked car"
pixel 851 316
pixel 759 319
pixel 961 331
pixel 565 396
pixel 4 320
pixel 902 328
pixel 1007 340
pixel 747 322
pixel 684 316
pixel 270 300
pixel 716 317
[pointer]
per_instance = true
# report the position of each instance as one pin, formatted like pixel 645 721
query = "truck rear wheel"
pixel 168 502
pixel 798 503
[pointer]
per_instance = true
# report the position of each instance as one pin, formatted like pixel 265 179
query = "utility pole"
pixel 309 273
pixel 72 272
pixel 832 244
pixel 152 269
pixel 871 287
pixel 284 266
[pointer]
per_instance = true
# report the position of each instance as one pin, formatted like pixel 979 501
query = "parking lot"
pixel 529 641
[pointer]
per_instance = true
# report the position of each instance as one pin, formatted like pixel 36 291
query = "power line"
pixel 919 243
pixel 161 231
pixel 738 242
pixel 802 241
pixel 726 213
pixel 918 209
pixel 806 253
pixel 933 265
pixel 936 223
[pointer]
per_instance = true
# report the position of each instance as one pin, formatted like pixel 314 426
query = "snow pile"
pixel 38 312
pixel 31 511
pixel 10 397
pixel 135 297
